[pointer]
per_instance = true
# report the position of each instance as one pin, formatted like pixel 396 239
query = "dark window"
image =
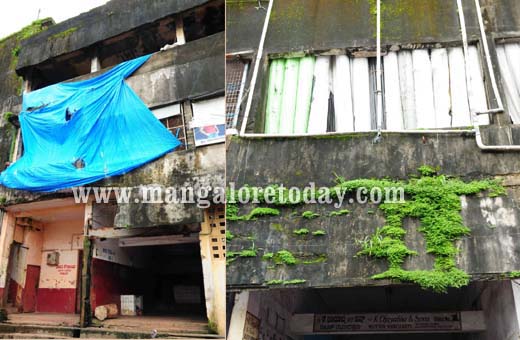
pixel 175 126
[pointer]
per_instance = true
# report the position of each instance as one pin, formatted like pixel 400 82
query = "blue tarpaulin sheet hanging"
pixel 81 132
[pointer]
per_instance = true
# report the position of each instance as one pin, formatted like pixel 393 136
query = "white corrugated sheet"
pixel 423 88
pixel 320 96
pixel 344 116
pixel 509 61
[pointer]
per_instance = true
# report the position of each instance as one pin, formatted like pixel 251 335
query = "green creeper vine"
pixel 309 215
pixel 514 274
pixel 434 200
pixel 339 212
pixel 301 232
pixel 431 198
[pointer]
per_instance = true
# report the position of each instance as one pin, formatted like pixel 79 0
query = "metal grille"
pixel 174 125
pixel 236 73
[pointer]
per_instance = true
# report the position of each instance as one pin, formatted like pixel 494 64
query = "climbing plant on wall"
pixel 432 198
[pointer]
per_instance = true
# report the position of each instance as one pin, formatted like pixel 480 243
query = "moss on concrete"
pixel 63 34
pixel 434 200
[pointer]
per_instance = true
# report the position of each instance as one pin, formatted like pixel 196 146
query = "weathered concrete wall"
pixel 192 70
pixel 188 71
pixel 203 167
pixel 303 25
pixel 116 17
pixel 491 248
pixel 197 168
pixel 11 84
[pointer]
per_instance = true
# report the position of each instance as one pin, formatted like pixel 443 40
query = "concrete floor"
pixel 44 319
pixel 163 324
pixel 166 324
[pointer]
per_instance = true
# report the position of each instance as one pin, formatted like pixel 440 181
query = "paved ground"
pixel 46 319
pixel 163 324
pixel 167 324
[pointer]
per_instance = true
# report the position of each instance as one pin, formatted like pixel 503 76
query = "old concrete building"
pixel 61 257
pixel 437 116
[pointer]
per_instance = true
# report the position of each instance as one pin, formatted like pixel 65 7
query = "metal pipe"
pixel 478 135
pixel 417 132
pixel 500 108
pixel 487 54
pixel 379 95
pixel 258 59
pixel 467 73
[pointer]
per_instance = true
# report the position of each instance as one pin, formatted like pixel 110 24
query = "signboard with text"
pixel 387 322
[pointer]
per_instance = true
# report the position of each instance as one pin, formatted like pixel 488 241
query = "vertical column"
pixel 212 248
pixel 179 31
pixel 88 245
pixel 238 316
pixel 6 238
pixel 95 64
pixel 487 7
pixel 500 304
pixel 187 116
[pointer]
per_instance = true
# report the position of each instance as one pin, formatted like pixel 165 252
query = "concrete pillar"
pixel 212 251
pixel 500 305
pixel 95 65
pixel 238 316
pixel 88 248
pixel 6 239
pixel 179 31
pixel 187 114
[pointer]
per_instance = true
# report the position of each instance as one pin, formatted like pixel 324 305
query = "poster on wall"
pixel 209 134
pixel 209 121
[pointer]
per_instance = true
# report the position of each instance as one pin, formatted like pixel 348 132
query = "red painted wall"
pixel 56 300
pixel 110 280
pixel 12 289
pixel 32 279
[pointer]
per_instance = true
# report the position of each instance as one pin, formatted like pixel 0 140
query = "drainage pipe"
pixel 258 59
pixel 500 108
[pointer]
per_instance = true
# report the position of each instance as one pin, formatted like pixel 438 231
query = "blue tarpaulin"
pixel 80 132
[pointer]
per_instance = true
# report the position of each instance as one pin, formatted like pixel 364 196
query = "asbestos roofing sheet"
pixel 459 93
pixel 393 106
pixel 361 94
pixel 512 52
pixel 304 95
pixel 320 96
pixel 422 76
pixel 290 88
pixel 441 87
pixel 477 91
pixel 274 95
pixel 344 117
pixel 407 87
pixel 510 89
